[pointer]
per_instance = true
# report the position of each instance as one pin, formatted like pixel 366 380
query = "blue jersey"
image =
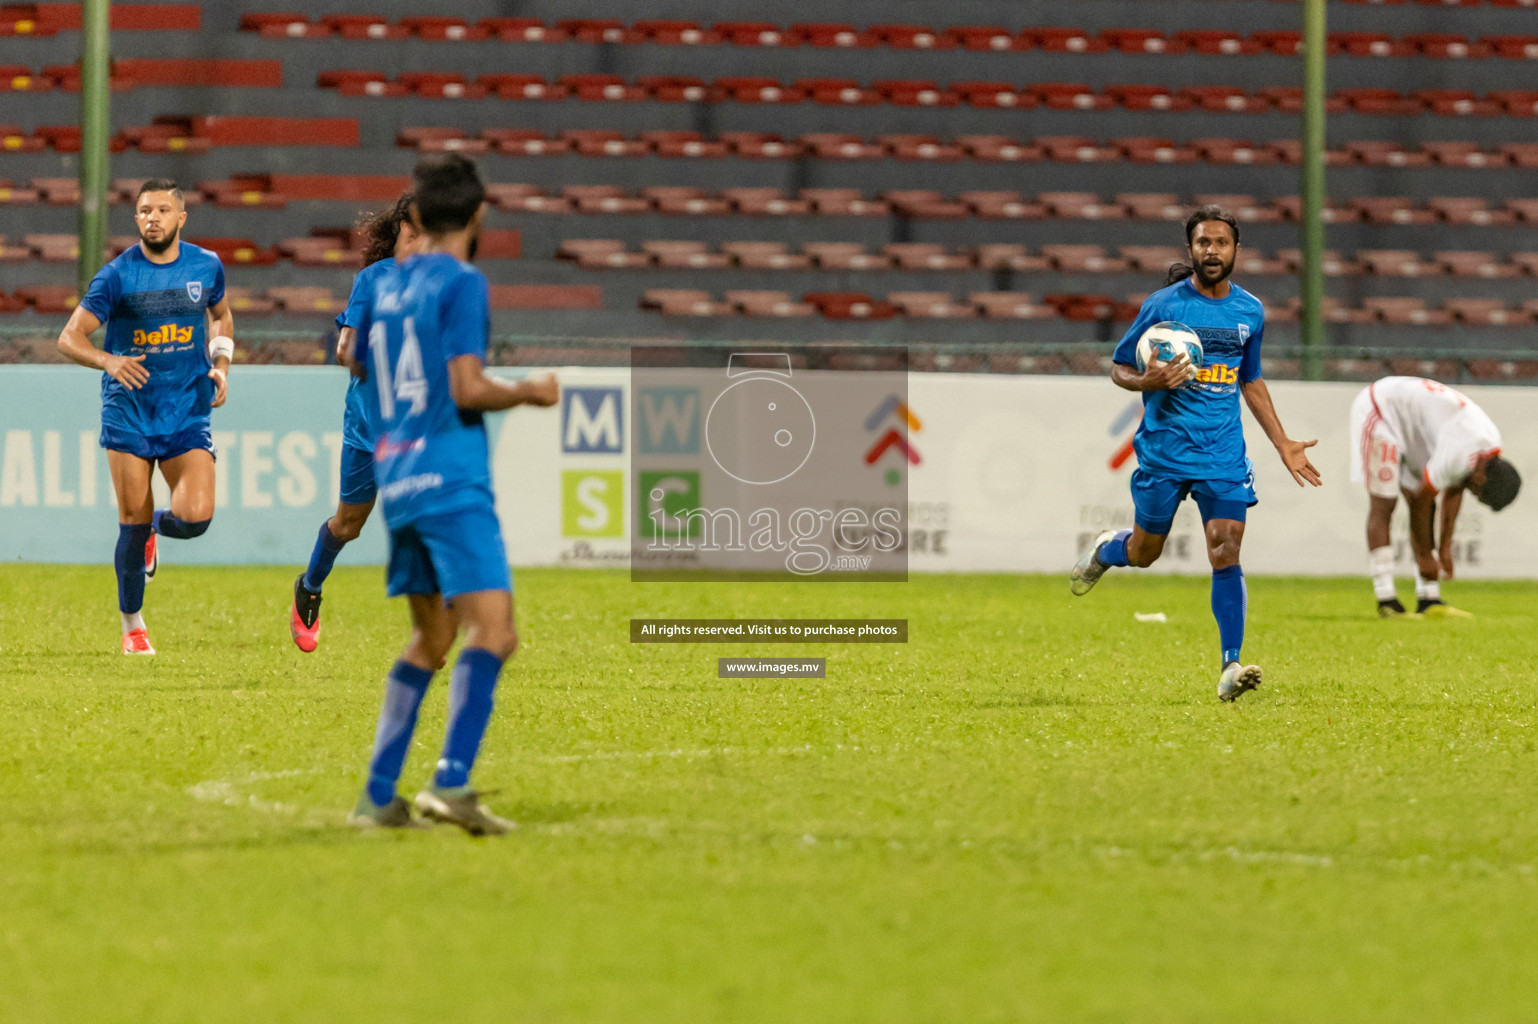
pixel 356 432
pixel 158 310
pixel 429 456
pixel 1194 432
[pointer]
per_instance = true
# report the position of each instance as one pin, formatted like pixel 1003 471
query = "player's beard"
pixel 161 246
pixel 1211 277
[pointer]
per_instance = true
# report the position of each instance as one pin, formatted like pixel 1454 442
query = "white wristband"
pixel 221 346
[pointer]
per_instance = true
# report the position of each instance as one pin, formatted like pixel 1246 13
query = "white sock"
pixel 1427 590
pixel 132 621
pixel 1380 566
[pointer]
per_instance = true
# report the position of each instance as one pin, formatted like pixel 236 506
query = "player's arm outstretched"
pixel 221 347
pixel 1294 453
pixel 472 389
pixel 75 345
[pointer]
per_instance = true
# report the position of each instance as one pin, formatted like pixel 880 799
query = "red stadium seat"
pixel 1283 43
pixel 926 256
pixel 677 88
pixel 246 302
pixel 58 191
pixel 931 305
pixel 365 26
pixel 1522 154
pixel 920 147
pixel 1083 259
pixel 604 199
pixel 758 89
pixel 15 140
pixel 766 256
pixel 677 33
pixel 1392 210
pixel 756 33
pixel 1010 256
pixel 1456 210
pixel 1148 97
pixel 1140 40
pixel 595 88
pixel 1375 153
pixel 516 142
pixel 683 144
pixel 1527 262
pixel 1333 264
pixel 1486 313
pixel 1397 263
pixel 1464 154
pixel 1001 205
pixel 828 34
pixel 837 91
pixel 841 146
pixel 523 30
pixel 1406 310
pixel 523 87
pixel 1245 208
pixel 1153 205
pixel 546 296
pixel 1077 149
pixel 445 29
pixel 1370 44
pixel 1152 259
pixel 999 149
pixel 1080 206
pixel 925 204
pixel 48 298
pixel 1011 306
pixel 278 131
pixel 686 255
pixel 769 303
pixel 1070 96
pixel 845 256
pixel 601 254
pixel 989 37
pixel 1233 151
pixel 1154 150
pixel 600 30
pixel 844 202
pixel 1254 262
pixel 1458 103
pixel 1460 263
pixel 760 145
pixel 1380 101
pixel 915 92
pixel 1289 100
pixel 1518 102
pixel 1217 41
pixel 1291 208
pixel 1446 44
pixel 602 142
pixel 1229 98
pixel 1068 40
pixel 53 248
pixel 685 200
pixel 912 37
pixel 850 306
pixel 684 302
pixel 238 250
pixel 766 202
pixel 1512 47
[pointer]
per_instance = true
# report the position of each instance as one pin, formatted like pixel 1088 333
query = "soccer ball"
pixel 1163 342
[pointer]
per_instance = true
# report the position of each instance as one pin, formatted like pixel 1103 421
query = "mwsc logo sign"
pixel 592 421
pixel 668 421
pixel 593 503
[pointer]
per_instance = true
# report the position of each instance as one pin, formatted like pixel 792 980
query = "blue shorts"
pixel 452 553
pixel 195 436
pixel 358 487
pixel 1156 498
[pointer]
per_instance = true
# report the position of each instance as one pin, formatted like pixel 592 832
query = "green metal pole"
pixel 1312 188
pixel 95 128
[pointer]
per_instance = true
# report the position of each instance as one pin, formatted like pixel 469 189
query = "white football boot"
pixel 1237 679
pixel 1088 569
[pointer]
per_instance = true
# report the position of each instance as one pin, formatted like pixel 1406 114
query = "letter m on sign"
pixel 592 420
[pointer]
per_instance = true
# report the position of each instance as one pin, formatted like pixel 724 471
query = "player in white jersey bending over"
pixel 1422 438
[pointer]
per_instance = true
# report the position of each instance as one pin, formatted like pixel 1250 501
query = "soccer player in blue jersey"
pixel 1191 440
pixel 422 342
pixel 390 234
pixel 165 362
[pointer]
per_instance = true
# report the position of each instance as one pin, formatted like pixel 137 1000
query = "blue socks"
pixel 1114 551
pixel 128 560
pixel 167 525
pixel 327 547
pixel 405 687
pixel 470 691
pixel 1230 602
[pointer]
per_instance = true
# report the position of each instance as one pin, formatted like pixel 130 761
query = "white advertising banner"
pixel 1002 474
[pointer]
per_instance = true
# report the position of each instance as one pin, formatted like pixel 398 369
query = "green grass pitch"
pixel 1036 810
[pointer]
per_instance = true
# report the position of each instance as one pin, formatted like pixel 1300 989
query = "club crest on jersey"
pixel 194 290
pixel 1244 333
